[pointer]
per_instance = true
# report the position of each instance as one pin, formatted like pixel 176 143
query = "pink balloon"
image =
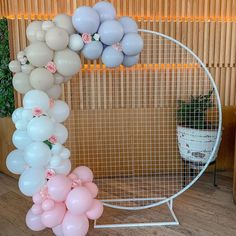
pixel 96 210
pixel 55 216
pixel 92 187
pixel 75 225
pixel 58 187
pixel 58 230
pixel 48 205
pixel 37 198
pixel 34 221
pixel 84 173
pixel 36 209
pixel 79 201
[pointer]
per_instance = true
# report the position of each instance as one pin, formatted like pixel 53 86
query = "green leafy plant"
pixel 6 88
pixel 192 113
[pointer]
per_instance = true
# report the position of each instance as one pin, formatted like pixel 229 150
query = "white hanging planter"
pixel 196 145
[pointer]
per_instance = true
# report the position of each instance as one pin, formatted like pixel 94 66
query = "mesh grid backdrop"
pixel 123 122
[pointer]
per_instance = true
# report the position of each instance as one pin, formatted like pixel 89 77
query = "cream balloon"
pixel 54 92
pixel 36 98
pixel 32 30
pixel 39 54
pixel 41 79
pixel 27 68
pixel 46 25
pixel 60 111
pixel 65 22
pixel 57 38
pixel 67 62
pixel 40 128
pixel 58 79
pixel 76 43
pixel 15 66
pixel 40 35
pixel 21 82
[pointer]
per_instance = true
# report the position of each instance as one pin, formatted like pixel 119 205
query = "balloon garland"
pixel 63 201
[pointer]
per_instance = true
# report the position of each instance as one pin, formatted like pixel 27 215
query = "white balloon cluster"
pixel 39 139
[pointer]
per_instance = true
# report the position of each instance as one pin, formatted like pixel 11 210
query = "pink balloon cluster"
pixel 65 204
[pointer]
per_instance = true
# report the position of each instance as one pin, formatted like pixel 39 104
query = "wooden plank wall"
pixel 208 27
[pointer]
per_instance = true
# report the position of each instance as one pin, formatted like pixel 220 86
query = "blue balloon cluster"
pixel 115 41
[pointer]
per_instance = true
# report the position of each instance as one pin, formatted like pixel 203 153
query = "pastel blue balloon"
pixel 111 32
pixel 86 20
pixel 132 44
pixel 111 57
pixel 130 60
pixel 105 10
pixel 93 50
pixel 129 25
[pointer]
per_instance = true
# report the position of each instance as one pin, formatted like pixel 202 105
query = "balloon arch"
pixel 63 200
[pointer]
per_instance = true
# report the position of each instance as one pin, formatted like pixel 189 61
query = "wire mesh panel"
pixel 124 123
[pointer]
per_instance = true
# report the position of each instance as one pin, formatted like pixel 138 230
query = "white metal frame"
pixel 169 201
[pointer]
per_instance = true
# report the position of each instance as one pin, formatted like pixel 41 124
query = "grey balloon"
pixel 129 25
pixel 130 60
pixel 86 20
pixel 111 32
pixel 105 10
pixel 132 44
pixel 111 57
pixel 93 50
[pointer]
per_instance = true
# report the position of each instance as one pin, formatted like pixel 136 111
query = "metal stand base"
pixel 147 224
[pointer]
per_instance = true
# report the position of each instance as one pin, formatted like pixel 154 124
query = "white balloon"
pixel 65 154
pixel 14 66
pixel 76 43
pixel 36 98
pixel 27 114
pixel 15 162
pixel 54 92
pixel 60 111
pixel 64 168
pixel 21 139
pixel 21 124
pixel 61 133
pixel 57 148
pixel 40 35
pixel 41 128
pixel 31 181
pixel 32 30
pixel 17 114
pixel 65 22
pixel 37 154
pixel 55 161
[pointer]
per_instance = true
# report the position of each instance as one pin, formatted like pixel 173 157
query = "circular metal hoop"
pixel 128 124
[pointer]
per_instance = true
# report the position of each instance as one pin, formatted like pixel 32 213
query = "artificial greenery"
pixel 192 113
pixel 6 88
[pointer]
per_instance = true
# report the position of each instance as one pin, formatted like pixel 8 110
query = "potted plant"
pixel 196 134
pixel 6 96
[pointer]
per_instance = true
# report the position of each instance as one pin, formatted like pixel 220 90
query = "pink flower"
pixel 117 46
pixel 50 173
pixel 51 67
pixel 37 111
pixel 53 139
pixel 51 102
pixel 87 38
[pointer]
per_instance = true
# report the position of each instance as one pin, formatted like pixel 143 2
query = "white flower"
pixel 96 37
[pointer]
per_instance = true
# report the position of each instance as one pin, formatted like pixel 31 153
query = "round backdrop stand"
pixel 138 160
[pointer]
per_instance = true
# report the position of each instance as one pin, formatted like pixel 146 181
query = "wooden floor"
pixel 202 210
